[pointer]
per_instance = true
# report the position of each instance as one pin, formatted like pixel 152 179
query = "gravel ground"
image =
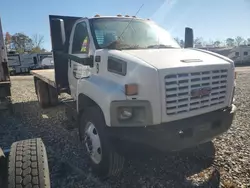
pixel 224 163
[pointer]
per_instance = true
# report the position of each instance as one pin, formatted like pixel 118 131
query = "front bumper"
pixel 180 134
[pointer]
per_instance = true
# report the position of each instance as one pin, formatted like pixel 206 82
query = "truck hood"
pixel 170 58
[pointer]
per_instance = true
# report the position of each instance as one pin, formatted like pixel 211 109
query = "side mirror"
pixel 189 38
pixel 58 33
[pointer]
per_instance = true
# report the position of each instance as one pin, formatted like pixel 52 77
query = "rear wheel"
pixel 42 93
pixel 28 165
pixel 105 161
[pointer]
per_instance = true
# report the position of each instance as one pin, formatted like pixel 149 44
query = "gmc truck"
pixel 131 82
pixel 25 163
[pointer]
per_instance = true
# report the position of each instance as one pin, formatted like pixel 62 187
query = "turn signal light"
pixel 131 89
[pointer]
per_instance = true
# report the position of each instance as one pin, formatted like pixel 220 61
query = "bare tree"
pixel 248 41
pixel 37 40
pixel 244 42
pixel 239 40
pixel 210 42
pixel 230 42
pixel 198 41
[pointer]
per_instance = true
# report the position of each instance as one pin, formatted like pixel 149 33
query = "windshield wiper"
pixel 120 46
pixel 111 45
pixel 160 46
pixel 132 47
pixel 129 48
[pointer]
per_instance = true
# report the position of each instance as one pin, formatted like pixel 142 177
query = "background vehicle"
pixel 130 81
pixel 47 62
pixel 25 164
pixel 23 63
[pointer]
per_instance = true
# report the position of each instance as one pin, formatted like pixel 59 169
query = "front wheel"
pixel 105 161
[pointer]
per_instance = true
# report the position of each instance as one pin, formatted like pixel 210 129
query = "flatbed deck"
pixel 47 75
pixel 5 82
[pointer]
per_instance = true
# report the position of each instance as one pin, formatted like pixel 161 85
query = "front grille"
pixel 179 86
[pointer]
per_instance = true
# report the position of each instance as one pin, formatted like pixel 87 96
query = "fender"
pixel 102 92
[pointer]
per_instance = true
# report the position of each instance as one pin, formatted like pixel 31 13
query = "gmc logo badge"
pixel 201 92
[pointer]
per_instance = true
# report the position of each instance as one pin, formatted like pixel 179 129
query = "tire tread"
pixel 28 165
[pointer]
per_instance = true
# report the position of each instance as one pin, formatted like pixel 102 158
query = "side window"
pixel 104 37
pixel 245 53
pixel 80 39
pixel 35 60
pixel 99 37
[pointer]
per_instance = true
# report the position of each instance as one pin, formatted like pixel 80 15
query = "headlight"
pixel 130 113
pixel 125 113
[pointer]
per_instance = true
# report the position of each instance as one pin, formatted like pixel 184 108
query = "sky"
pixel 210 19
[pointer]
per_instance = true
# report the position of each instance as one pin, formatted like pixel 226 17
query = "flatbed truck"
pixel 130 81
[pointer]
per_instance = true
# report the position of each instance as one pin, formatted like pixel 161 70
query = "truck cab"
pixel 132 82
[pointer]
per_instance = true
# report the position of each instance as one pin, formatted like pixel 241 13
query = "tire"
pixel 53 96
pixel 28 165
pixel 42 93
pixel 111 163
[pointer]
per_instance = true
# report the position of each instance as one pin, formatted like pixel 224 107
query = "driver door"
pixel 79 46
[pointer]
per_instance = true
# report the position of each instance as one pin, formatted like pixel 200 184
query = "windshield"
pixel 135 34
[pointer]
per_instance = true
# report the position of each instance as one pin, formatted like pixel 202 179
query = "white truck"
pixel 23 63
pixel 46 62
pixel 132 83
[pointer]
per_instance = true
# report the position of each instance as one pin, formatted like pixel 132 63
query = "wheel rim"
pixel 92 143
